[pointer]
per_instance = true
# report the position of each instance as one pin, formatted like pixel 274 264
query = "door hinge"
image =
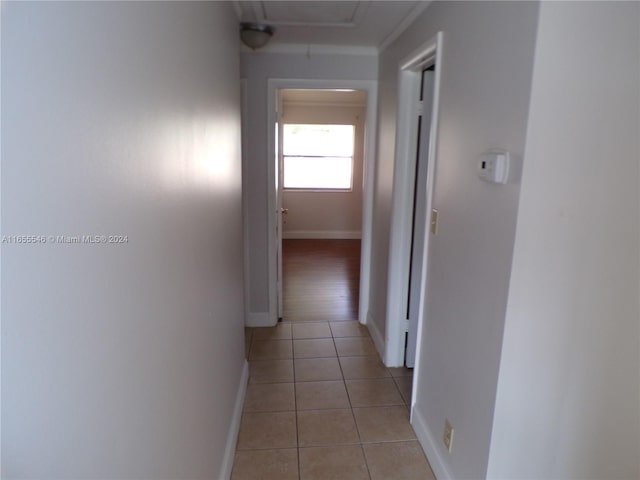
pixel 406 324
pixel 420 108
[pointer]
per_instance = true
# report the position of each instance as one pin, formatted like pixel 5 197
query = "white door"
pixel 279 210
pixel 419 223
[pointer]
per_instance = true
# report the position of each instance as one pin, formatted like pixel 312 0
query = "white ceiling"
pixel 370 23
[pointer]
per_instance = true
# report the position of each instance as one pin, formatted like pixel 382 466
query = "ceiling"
pixel 370 23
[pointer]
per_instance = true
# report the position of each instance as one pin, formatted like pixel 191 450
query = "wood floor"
pixel 321 280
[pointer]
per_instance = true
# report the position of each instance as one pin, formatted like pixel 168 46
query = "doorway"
pixel 321 181
pixel 276 225
pixel 413 219
pixel 419 227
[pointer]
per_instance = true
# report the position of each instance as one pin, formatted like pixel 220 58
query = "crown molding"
pixel 404 24
pixel 259 8
pixel 311 50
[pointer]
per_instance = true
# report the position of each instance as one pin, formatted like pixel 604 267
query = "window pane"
pixel 314 172
pixel 318 140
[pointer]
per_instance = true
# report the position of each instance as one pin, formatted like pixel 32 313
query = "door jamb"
pixel 409 77
pixel 371 87
pixel 244 92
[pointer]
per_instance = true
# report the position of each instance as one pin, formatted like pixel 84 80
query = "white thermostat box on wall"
pixel 493 166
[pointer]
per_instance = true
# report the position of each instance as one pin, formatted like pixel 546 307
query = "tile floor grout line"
pixel 404 401
pixel 366 462
pixel 295 406
pixel 353 415
pixel 344 381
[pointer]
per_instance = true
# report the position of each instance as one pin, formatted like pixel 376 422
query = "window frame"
pixel 321 189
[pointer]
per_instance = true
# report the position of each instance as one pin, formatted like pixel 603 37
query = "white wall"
pixel 120 361
pixel 328 214
pixel 486 77
pixel 257 68
pixel 568 404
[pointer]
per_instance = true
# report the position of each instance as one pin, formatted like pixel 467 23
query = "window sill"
pixel 325 190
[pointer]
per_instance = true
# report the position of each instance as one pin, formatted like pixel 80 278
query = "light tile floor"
pixel 320 405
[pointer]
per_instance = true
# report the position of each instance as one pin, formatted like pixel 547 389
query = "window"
pixel 318 157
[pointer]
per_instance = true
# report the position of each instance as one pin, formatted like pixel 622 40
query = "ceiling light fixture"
pixel 255 35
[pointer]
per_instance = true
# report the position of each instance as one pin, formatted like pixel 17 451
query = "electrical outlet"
pixel 447 438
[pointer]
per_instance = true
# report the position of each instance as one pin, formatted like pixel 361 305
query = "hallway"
pixel 320 404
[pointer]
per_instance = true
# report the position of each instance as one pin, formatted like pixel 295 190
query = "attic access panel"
pixel 315 14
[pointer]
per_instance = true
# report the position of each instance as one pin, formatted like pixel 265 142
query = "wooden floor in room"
pixel 321 280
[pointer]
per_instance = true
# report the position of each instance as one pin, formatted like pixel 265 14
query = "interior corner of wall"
pixel 258 319
pixel 234 427
pixel 376 334
pixel 429 444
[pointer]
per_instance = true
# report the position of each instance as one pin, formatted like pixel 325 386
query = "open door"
pixel 419 217
pixel 278 188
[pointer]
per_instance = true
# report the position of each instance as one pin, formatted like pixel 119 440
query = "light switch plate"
pixel 434 221
pixel 447 438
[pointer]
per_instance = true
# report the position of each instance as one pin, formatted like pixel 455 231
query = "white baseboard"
pixel 429 445
pixel 234 429
pixel 330 234
pixel 258 319
pixel 376 334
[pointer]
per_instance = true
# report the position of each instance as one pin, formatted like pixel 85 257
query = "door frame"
pixel 371 87
pixel 244 93
pixel 409 81
pixel 419 226
pixel 279 190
